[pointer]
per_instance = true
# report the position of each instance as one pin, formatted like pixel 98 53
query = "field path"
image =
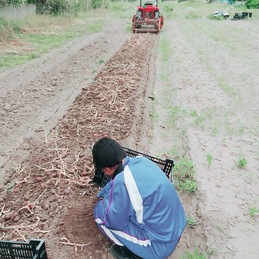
pixel 213 81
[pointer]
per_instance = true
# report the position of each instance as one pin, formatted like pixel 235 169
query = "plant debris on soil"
pixel 51 195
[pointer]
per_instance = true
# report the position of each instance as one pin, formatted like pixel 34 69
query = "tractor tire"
pixel 161 22
pixel 133 23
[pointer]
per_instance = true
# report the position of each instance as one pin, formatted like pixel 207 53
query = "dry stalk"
pixel 33 228
pixel 11 33
pixel 39 197
pixel 23 181
pixel 52 161
pixel 45 135
pixel 67 242
pixel 2 237
pixel 18 170
pixel 83 183
pixel 62 162
pixel 78 130
pixel 19 234
pixel 31 205
pixel 44 169
pixel 26 207
pixel 12 149
pixel 60 197
pixel 90 187
pixel 77 157
pixel 2 211
pixel 114 96
pixel 255 192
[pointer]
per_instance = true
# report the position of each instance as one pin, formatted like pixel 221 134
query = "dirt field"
pixel 196 97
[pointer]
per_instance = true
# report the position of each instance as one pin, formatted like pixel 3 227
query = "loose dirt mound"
pixel 50 196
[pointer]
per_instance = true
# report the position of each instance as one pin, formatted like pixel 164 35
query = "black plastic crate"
pixel 34 249
pixel 166 166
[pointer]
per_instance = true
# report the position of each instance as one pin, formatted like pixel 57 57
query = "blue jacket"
pixel 160 215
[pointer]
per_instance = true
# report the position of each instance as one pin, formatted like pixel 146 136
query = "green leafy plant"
pixel 242 162
pixel 184 175
pixel 241 129
pixel 153 114
pixel 173 112
pixel 192 15
pixel 198 118
pixel 10 187
pixel 196 254
pixel 194 113
pixel 254 211
pixel 184 168
pixel 188 185
pixel 165 49
pixel 211 251
pixel 209 159
pixel 215 131
pixel 191 222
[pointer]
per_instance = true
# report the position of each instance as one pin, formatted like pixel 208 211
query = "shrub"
pixel 57 7
pixel 96 4
pixel 252 4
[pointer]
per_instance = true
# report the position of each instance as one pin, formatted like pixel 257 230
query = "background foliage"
pixel 16 2
pixel 252 4
pixel 56 7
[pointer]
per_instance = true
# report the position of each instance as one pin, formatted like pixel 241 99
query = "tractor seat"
pixel 148 4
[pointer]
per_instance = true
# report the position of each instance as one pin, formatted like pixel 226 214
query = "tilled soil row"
pixel 35 95
pixel 50 195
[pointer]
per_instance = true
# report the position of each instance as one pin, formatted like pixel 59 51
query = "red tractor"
pixel 148 17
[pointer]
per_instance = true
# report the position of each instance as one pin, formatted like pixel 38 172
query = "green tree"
pixel 252 4
pixel 59 7
pixel 16 2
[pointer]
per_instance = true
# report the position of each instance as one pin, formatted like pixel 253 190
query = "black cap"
pixel 107 153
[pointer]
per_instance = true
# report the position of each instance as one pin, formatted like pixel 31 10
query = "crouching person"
pixel 139 209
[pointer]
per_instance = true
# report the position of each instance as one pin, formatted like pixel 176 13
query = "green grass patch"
pixel 202 118
pixel 191 222
pixel 172 115
pixel 209 159
pixel 184 175
pixel 254 211
pixel 165 49
pixel 196 254
pixel 28 39
pixel 241 162
pixel 153 114
pixel 192 15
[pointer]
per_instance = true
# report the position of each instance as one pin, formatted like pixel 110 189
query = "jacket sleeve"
pixel 105 190
pixel 114 210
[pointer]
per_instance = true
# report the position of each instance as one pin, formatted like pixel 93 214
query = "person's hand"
pixel 105 190
pixel 101 194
